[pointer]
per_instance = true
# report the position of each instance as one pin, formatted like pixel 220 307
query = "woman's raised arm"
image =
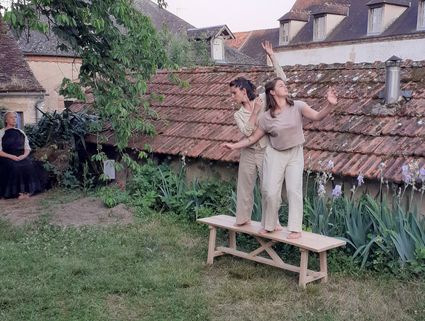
pixel 267 46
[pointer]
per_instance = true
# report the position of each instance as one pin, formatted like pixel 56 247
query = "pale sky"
pixel 238 15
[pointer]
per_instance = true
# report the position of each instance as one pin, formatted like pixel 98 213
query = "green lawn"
pixel 155 270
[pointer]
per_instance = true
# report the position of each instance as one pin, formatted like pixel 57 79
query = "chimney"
pixel 392 80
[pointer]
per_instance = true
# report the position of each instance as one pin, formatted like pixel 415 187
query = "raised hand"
pixel 331 96
pixel 258 105
pixel 267 46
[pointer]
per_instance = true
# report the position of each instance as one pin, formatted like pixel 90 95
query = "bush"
pixel 58 140
pixel 159 188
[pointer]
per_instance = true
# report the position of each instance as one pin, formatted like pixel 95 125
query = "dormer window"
pixel 326 19
pixel 375 20
pixel 215 36
pixel 284 33
pixel 421 15
pixel 218 49
pixel 290 24
pixel 319 28
pixel 382 13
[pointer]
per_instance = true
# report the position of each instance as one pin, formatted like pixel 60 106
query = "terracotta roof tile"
pixel 360 133
pixel 15 74
pixel 240 38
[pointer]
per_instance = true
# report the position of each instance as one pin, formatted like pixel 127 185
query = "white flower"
pixel 321 191
pixel 360 180
pixel 407 176
pixel 337 191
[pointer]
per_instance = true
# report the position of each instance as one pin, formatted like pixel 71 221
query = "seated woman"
pixel 18 174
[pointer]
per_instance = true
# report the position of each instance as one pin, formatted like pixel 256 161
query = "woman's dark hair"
pixel 243 83
pixel 270 101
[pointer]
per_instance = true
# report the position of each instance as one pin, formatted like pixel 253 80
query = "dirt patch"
pixel 80 212
pixel 19 212
pixel 90 211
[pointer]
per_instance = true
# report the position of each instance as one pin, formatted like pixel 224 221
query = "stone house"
pixel 19 89
pixel 338 31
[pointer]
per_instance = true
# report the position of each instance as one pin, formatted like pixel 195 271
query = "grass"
pixel 154 270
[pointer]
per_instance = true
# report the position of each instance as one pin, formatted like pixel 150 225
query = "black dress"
pixel 17 176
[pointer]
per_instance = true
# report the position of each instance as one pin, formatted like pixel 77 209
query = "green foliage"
pixel 381 237
pixel 120 51
pixel 159 188
pixel 59 140
pixel 111 196
pixel 403 233
pixel 66 129
pixel 2 111
pixel 184 53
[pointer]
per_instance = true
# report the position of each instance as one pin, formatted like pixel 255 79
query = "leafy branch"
pixel 119 48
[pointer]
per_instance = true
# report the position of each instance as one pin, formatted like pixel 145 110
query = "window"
pixel 20 120
pixel 319 32
pixel 421 15
pixel 284 33
pixel 375 20
pixel 218 49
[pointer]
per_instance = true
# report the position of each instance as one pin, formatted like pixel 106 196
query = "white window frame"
pixel 319 28
pixel 217 49
pixel 421 15
pixel 375 20
pixel 285 33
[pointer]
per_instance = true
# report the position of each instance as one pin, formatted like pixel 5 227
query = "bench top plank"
pixel 309 241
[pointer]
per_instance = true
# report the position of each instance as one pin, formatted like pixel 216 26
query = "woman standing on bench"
pixel 283 159
pixel 243 92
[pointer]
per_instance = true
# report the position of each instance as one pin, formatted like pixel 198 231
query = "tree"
pixel 120 51
pixel 184 53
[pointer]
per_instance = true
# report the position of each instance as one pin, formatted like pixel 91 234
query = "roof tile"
pixel 358 136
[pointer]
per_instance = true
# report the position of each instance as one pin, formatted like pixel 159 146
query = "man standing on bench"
pixel 284 158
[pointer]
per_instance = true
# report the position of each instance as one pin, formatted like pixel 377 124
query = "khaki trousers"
pixel 250 166
pixel 279 166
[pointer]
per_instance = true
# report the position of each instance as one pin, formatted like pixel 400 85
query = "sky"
pixel 238 15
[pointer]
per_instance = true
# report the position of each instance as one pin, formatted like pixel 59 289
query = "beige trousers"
pixel 279 166
pixel 250 166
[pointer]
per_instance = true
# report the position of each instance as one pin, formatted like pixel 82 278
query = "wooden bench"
pixel 308 242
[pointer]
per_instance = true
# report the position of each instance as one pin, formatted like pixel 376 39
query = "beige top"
pixel 242 121
pixel 286 129
pixel 242 115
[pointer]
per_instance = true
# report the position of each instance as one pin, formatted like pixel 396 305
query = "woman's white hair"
pixel 7 113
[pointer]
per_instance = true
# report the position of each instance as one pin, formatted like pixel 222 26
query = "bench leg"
pixel 232 239
pixel 303 268
pixel 324 266
pixel 211 244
